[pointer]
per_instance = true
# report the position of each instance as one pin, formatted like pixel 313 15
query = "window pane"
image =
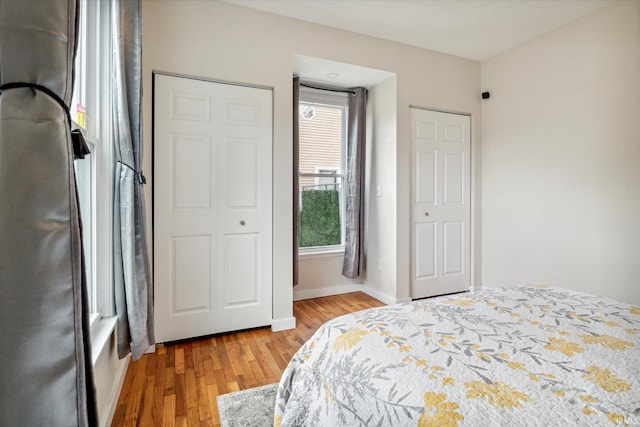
pixel 320 214
pixel 85 183
pixel 84 167
pixel 321 148
pixel 320 135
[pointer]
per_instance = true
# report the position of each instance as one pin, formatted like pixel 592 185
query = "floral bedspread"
pixel 519 356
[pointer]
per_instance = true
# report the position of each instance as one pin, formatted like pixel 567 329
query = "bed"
pixel 527 355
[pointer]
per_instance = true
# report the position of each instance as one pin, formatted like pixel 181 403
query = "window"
pixel 91 109
pixel 322 144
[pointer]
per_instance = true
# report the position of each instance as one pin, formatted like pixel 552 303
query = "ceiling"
pixel 338 74
pixel 473 29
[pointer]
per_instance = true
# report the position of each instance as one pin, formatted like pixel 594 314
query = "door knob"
pixel 242 222
pixel 426 214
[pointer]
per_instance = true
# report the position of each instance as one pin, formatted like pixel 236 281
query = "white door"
pixel 212 207
pixel 441 203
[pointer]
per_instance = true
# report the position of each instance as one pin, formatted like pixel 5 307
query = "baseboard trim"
pixel 381 296
pixel 278 325
pixel 116 393
pixel 325 292
pixel 343 289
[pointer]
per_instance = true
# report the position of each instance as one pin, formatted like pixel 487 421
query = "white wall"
pixel 381 170
pixel 109 373
pixel 321 275
pixel 227 42
pixel 561 158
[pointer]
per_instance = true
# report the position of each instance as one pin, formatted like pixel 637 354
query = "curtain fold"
pixel 296 178
pixel 132 277
pixel 46 374
pixel 353 264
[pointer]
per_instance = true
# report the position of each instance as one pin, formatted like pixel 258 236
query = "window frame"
pixel 337 100
pixel 93 84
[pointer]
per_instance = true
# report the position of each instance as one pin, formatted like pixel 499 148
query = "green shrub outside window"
pixel 320 218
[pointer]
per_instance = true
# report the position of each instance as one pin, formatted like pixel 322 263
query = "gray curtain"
pixel 133 284
pixel 296 178
pixel 45 361
pixel 353 264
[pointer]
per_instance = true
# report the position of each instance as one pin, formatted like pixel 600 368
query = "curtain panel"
pixel 296 178
pixel 45 358
pixel 353 264
pixel 132 276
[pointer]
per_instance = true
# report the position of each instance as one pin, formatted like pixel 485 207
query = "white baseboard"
pixel 381 296
pixel 278 325
pixel 325 292
pixel 116 392
pixel 343 289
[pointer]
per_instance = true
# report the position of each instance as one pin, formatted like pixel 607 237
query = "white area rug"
pixel 248 408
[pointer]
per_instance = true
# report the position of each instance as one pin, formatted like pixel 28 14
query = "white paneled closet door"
pixel 441 203
pixel 212 207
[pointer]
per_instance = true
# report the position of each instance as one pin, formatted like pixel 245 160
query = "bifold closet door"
pixel 441 203
pixel 212 207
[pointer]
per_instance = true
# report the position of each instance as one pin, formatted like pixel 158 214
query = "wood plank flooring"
pixel 178 384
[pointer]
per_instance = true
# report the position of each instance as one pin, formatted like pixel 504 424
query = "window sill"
pixel 101 330
pixel 94 318
pixel 322 253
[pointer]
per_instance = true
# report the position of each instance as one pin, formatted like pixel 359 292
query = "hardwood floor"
pixel 178 384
